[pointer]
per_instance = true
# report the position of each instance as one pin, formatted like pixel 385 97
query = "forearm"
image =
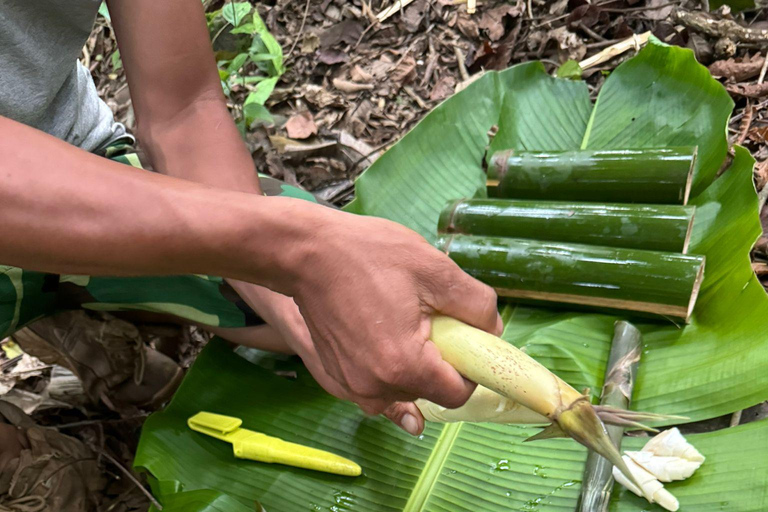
pixel 200 143
pixel 67 211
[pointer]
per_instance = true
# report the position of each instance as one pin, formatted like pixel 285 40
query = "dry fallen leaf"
pixel 443 88
pixel 737 70
pixel 360 75
pixel 301 125
pixel 346 86
pixel 405 71
pixel 492 21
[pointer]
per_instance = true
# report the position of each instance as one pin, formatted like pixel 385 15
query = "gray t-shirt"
pixel 42 83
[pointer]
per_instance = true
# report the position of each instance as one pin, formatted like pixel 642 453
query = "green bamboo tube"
pixel 659 283
pixel 655 176
pixel 651 227
pixel 597 483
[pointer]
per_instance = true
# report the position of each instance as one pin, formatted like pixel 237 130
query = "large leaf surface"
pixel 459 467
pixel 714 366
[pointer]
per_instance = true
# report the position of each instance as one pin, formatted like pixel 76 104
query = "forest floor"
pixel 355 85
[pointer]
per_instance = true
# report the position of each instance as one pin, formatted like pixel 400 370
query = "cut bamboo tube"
pixel 658 283
pixel 655 176
pixel 626 349
pixel 651 227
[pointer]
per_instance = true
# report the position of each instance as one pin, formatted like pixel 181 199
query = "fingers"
pixel 406 416
pixel 456 294
pixel 439 382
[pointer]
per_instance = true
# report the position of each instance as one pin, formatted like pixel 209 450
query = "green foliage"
pixel 713 366
pixel 570 70
pixel 248 57
pixel 736 5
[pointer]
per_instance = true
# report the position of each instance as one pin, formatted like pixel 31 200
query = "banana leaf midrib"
pixel 434 465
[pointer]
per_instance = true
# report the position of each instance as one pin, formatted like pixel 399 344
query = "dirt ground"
pixel 355 85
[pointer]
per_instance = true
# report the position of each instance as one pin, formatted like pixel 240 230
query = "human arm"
pixel 181 114
pixel 365 286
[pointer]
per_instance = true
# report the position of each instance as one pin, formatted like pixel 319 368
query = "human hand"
pixel 367 295
pixel 282 314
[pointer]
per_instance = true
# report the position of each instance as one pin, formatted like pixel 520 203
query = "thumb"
pixel 406 416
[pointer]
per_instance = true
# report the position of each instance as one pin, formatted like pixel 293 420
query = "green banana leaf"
pixel 713 366
pixel 457 467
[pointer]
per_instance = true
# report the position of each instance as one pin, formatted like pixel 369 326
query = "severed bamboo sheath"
pixel 651 227
pixel 654 176
pixel 659 283
pixel 626 349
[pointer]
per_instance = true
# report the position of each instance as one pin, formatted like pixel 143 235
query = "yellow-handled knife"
pixel 251 445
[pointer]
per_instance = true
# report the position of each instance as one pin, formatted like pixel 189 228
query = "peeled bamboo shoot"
pixel 650 227
pixel 501 367
pixel 656 176
pixel 652 282
pixel 484 406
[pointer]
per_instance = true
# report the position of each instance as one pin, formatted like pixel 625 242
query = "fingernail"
pixel 410 424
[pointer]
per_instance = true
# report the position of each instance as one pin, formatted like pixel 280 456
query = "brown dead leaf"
pixel 656 11
pixel 467 25
pixel 443 88
pixel 413 16
pixel 748 90
pixel 404 72
pixel 360 75
pixel 301 125
pixel 492 21
pixel 60 470
pixel 319 96
pixel 570 45
pixel 380 67
pixel 737 70
pixel 347 31
pixel 309 43
pixel 330 56
pixel 558 7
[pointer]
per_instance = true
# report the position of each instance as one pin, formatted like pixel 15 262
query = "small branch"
pixel 702 22
pixel 617 392
pixel 461 62
pixel 301 30
pixel 133 479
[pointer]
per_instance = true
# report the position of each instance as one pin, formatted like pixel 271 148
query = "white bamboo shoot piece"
pixel 649 487
pixel 671 443
pixel 483 406
pixel 665 469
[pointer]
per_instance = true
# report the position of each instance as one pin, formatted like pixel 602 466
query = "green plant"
pixel 248 57
pixel 714 366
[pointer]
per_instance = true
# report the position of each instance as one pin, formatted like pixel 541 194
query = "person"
pixel 351 295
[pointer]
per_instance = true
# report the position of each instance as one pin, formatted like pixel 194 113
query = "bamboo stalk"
pixel 651 227
pixel 626 349
pixel 657 283
pixel 656 176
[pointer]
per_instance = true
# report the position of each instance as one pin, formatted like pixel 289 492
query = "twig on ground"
pixel 591 33
pixel 410 92
pixel 301 30
pixel 735 418
pixel 762 71
pixel 636 9
pixel 746 122
pixel 133 479
pixel 636 42
pixel 86 423
pixel 392 9
pixel 461 63
pixel 703 22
